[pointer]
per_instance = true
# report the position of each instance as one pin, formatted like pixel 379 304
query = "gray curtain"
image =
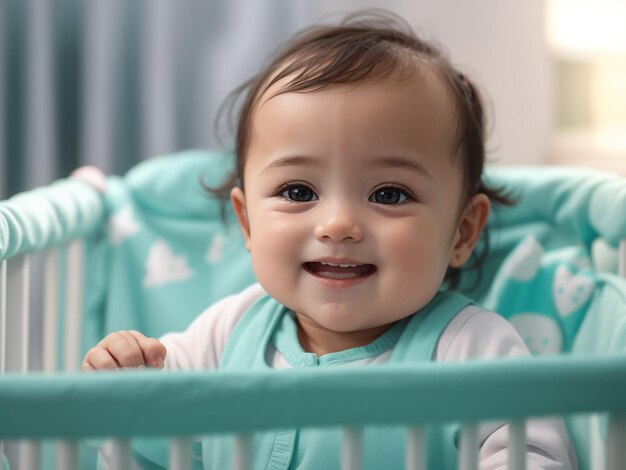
pixel 112 82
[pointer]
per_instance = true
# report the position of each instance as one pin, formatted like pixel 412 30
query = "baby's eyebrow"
pixel 394 161
pixel 292 160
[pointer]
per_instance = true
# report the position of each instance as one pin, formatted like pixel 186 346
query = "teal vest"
pixel 413 339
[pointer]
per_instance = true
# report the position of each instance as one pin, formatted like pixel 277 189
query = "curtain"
pixel 112 82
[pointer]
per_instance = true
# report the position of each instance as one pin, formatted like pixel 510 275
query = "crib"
pixel 47 415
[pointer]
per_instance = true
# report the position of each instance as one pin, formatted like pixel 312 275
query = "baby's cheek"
pixel 417 274
pixel 273 258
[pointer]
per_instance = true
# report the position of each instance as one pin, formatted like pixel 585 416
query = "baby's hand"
pixel 125 349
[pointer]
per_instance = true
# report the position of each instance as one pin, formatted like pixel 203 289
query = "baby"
pixel 358 190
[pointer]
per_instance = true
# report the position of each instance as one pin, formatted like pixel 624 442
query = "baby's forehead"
pixel 387 114
pixel 416 77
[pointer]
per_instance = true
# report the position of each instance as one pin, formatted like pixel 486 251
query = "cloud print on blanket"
pixel 216 249
pixel 122 225
pixel 163 266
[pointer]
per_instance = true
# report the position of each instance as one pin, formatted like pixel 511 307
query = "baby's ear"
pixel 238 200
pixel 470 227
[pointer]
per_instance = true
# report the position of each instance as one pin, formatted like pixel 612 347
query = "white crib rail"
pixel 14 357
pixel 242 458
pixel 180 454
pixel 120 454
pixel 517 445
pixel 352 449
pixel 416 448
pixel 73 310
pixel 616 442
pixel 50 310
pixel 3 328
pixel 622 258
pixel 67 455
pixel 15 318
pixel 351 457
pixel 18 314
pixel 468 455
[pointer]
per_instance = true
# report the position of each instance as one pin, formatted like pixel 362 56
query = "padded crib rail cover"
pixel 155 403
pixel 45 216
pixel 585 203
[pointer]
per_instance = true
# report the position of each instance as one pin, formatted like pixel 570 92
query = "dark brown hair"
pixel 363 46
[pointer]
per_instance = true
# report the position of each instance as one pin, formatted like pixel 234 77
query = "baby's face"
pixel 352 201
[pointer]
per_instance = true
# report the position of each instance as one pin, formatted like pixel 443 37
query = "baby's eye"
pixel 390 195
pixel 299 193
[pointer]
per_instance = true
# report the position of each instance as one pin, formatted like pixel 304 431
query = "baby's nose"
pixel 339 223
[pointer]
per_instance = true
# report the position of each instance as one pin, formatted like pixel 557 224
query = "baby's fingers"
pixel 98 358
pixel 153 350
pixel 124 348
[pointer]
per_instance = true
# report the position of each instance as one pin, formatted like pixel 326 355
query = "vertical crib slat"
pixel 517 445
pixel 3 315
pixel 416 448
pixel 67 455
pixel 242 460
pixel 352 449
pixel 596 440
pixel 120 454
pixel 616 442
pixel 468 457
pixel 180 454
pixel 50 312
pixel 17 318
pixel 621 261
pixel 17 343
pixel 30 455
pixel 73 305
pixel 3 327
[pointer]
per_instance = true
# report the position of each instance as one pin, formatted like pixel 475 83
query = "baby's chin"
pixel 340 320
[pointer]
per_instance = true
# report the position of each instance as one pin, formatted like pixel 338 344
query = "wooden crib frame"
pixel 35 406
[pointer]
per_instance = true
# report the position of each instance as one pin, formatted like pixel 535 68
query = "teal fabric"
pixel 602 333
pixel 560 207
pixel 157 403
pixel 267 322
pixel 575 201
pixel 544 294
pixel 46 216
pixel 285 339
pixel 165 254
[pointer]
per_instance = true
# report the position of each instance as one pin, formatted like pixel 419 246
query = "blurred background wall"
pixel 112 82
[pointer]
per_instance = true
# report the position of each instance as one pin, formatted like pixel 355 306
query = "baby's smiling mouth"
pixel 331 270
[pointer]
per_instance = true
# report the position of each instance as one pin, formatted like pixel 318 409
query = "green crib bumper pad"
pixel 160 404
pixel 45 216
